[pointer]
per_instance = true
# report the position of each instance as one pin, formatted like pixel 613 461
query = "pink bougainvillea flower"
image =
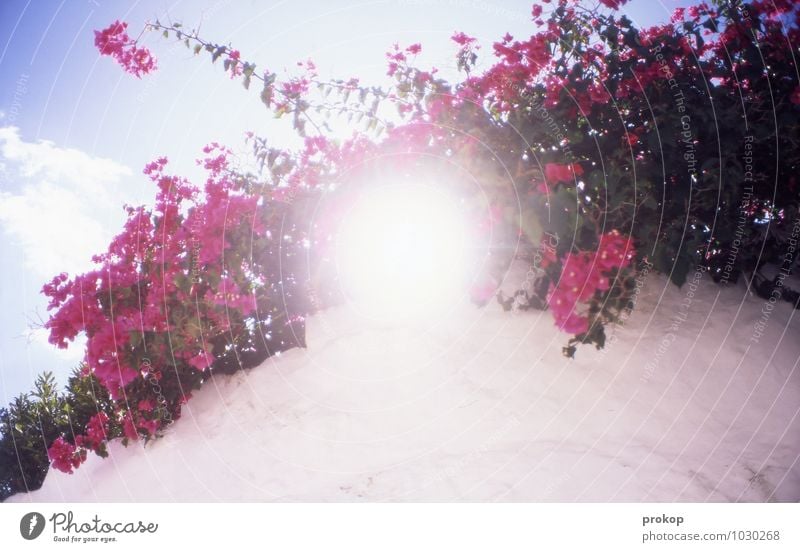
pixel 613 4
pixel 614 252
pixel 574 324
pixel 578 277
pixel 96 431
pixel 114 41
pixel 236 66
pixel 462 39
pixel 129 428
pixel 145 405
pixel 151 426
pixel 201 361
pixel 562 303
pixel 562 173
pixel 583 274
pixel 65 456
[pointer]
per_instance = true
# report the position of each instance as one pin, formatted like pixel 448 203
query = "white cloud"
pixel 60 205
pixel 43 159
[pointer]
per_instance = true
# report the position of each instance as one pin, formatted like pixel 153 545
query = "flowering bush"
pixel 619 146
pixel 668 136
pixel 199 284
pixel 34 421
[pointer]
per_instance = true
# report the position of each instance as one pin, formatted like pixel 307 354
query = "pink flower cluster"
pixel 236 66
pixel 399 58
pixel 582 275
pixel 166 289
pixel 197 241
pixel 562 173
pixel 462 39
pixel 65 456
pixel 114 41
pixel 96 433
pixel 555 174
pixel 133 422
pixel 613 4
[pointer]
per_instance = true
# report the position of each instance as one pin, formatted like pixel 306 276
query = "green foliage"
pixel 29 424
pixel 32 421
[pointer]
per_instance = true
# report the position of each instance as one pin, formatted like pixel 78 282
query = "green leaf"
pixel 217 52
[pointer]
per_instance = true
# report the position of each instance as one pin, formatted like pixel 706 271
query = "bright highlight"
pixel 402 251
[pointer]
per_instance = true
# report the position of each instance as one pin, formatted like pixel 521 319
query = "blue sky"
pixel 75 130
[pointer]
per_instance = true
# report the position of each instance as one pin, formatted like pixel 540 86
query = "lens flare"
pixel 402 251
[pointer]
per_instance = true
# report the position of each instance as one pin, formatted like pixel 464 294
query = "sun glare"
pixel 402 251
